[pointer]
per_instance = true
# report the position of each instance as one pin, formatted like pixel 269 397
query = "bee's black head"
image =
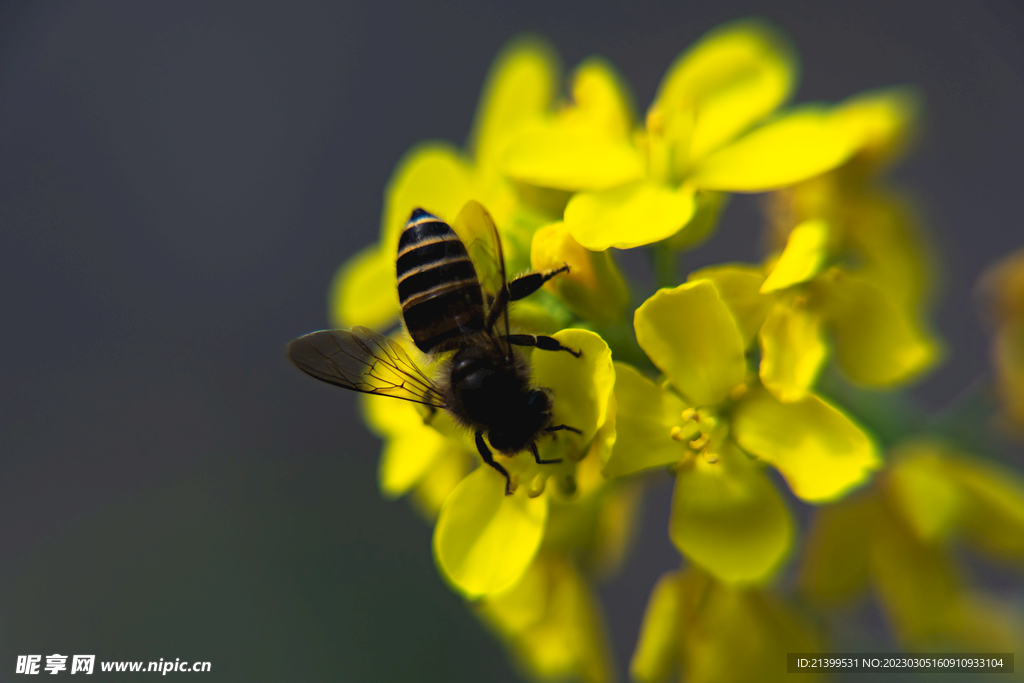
pixel 526 423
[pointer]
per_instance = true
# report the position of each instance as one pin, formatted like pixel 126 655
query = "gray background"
pixel 178 182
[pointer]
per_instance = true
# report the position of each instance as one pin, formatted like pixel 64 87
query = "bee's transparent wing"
pixel 476 229
pixel 363 360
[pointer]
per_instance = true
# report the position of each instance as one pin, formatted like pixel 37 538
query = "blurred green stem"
pixel 664 261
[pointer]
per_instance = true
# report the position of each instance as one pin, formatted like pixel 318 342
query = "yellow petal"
pixel 733 77
pixel 926 599
pixel 1002 289
pixel 593 288
pixel 792 352
pixel 628 216
pixel 894 251
pixel 519 89
pixel 819 451
pixel 564 158
pixel 574 630
pixel 581 387
pixel 917 585
pixel 691 336
pixel 587 146
pixel 566 637
pixel 433 176
pixel 522 605
pixel 1002 286
pixel 921 490
pixel 364 291
pixel 798 146
pixel 601 98
pixel 938 491
pixel 993 508
pixel 416 455
pixel 657 650
pixel 618 521
pixel 805 255
pixel 440 480
pixel 728 518
pixel 408 457
pixel 876 344
pixel 738 286
pixel 644 416
pixel 834 568
pixel 880 122
pixel 485 540
pixel 387 417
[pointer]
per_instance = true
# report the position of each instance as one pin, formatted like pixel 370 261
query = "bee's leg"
pixel 528 283
pixel 485 453
pixel 541 342
pixel 558 428
pixel 523 286
pixel 536 456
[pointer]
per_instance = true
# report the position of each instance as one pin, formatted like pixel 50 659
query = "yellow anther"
pixel 677 433
pixel 709 457
pixel 738 391
pixel 690 414
pixel 700 442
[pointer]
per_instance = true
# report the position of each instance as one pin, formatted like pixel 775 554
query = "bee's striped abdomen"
pixel 437 284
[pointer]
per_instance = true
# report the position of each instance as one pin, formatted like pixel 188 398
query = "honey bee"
pixel 457 311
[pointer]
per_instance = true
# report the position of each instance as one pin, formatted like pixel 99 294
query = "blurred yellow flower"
pixel 635 187
pixel 852 263
pixel 899 537
pixel 1003 288
pixel 715 632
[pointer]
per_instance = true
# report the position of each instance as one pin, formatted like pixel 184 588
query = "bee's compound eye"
pixel 498 439
pixel 538 400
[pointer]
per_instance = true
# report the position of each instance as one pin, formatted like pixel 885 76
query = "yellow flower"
pixel 899 536
pixel 1003 288
pixel 727 516
pixel 442 178
pixel 635 187
pixel 716 632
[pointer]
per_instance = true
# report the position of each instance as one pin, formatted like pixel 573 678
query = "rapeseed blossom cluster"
pixel 714 379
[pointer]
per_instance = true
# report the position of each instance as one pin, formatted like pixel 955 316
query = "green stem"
pixel 663 261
